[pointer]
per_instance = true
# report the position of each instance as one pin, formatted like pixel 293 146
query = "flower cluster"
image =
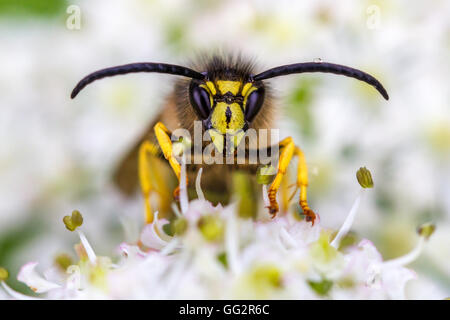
pixel 209 252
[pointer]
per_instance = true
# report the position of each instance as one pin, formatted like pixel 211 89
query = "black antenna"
pixel 322 67
pixel 136 67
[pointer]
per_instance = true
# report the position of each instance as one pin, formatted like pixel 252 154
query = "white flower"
pixel 218 255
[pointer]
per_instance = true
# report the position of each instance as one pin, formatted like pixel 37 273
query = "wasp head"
pixel 227 108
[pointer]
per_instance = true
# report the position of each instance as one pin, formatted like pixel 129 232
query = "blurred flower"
pixel 212 253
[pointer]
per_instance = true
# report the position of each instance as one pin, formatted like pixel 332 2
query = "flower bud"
pixel 321 287
pixel 364 178
pixel 211 227
pixel 180 226
pixel 63 261
pixel 267 276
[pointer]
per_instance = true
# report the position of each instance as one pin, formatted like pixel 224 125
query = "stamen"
pixel 364 177
pixel 198 188
pixel 74 221
pixel 184 203
pixel 153 236
pixel 265 196
pixel 365 180
pixel 90 252
pixel 407 258
pixel 424 231
pixel 348 221
pixel 170 247
pixel 231 239
pixel 176 210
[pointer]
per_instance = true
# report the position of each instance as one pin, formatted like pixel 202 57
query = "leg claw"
pixel 310 216
pixel 176 194
pixel 273 209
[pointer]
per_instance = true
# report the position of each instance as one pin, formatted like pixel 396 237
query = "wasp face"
pixel 227 108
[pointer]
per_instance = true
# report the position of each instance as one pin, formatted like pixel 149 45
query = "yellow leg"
pixel 288 149
pixel 163 136
pixel 145 176
pixel 302 183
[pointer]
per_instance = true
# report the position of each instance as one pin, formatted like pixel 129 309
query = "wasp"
pixel 227 97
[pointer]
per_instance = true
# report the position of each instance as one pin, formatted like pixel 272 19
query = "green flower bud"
pixel 211 227
pixel 168 229
pixel 245 195
pixel 180 226
pixel 426 230
pixel 74 221
pixel 4 274
pixel 321 287
pixel 267 276
pixel 222 257
pixel 364 178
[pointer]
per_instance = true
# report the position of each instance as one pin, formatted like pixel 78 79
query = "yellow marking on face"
pixel 247 95
pixel 218 139
pixel 227 117
pixel 225 86
pixel 211 87
pixel 209 91
pixel 246 87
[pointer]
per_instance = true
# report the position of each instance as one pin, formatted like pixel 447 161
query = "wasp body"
pixel 227 100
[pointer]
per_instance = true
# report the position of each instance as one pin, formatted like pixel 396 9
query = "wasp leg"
pixel 146 174
pixel 163 136
pixel 287 148
pixel 302 183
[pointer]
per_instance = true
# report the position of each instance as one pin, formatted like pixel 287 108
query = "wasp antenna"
pixel 136 67
pixel 323 67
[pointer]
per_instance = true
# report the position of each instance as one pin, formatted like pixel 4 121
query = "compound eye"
pixel 254 103
pixel 201 101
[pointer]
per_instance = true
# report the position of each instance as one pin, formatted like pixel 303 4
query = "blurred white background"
pixel 57 154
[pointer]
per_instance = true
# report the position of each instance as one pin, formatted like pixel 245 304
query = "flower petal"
pixel 32 279
pixel 153 236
